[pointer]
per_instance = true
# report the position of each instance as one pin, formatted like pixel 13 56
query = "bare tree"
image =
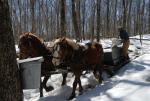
pixel 108 18
pixel 51 18
pixel 98 19
pixel 63 18
pixel 92 20
pixel 83 8
pixel 32 2
pixel 141 20
pixel 149 18
pixel 138 16
pixel 20 12
pixel 74 18
pixel 129 17
pixel 115 17
pixel 10 86
pixel 125 5
pixel 78 3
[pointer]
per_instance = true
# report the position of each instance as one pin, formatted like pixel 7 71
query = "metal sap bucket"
pixel 30 71
pixel 113 57
pixel 116 54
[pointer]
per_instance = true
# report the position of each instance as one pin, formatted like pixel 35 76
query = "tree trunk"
pixel 129 18
pixel 115 18
pixel 10 86
pixel 108 19
pixel 92 21
pixel 149 18
pixel 75 23
pixel 83 8
pixel 78 17
pixel 125 5
pixel 40 19
pixel 98 19
pixel 20 17
pixel 57 19
pixel 63 18
pixel 33 30
pixel 141 20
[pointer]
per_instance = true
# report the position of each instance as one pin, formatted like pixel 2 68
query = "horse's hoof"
pixel 72 96
pixel 80 93
pixel 41 95
pixel 50 88
pixel 100 81
pixel 64 83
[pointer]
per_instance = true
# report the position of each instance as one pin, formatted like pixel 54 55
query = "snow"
pixel 131 83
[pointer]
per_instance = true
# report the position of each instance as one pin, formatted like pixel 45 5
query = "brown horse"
pixel 31 46
pixel 71 54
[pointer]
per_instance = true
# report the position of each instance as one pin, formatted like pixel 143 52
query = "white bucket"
pixel 116 54
pixel 30 71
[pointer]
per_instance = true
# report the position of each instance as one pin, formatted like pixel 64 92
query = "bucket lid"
pixel 40 59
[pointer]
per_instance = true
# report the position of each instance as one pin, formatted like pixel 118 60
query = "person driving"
pixel 123 34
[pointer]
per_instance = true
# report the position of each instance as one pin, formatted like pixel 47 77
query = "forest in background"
pixel 80 19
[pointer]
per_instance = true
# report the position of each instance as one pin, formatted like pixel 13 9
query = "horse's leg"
pixel 110 72
pixel 74 88
pixel 41 88
pixel 80 86
pixel 49 88
pixel 64 78
pixel 98 69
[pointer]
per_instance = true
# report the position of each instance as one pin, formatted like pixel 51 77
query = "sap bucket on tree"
pixel 30 71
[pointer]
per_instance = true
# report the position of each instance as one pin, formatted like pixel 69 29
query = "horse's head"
pixel 25 46
pixel 31 46
pixel 63 50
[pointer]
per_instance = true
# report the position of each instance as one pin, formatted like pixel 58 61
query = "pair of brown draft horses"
pixel 78 58
pixel 31 46
pixel 66 53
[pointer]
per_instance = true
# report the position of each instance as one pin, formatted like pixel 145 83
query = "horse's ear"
pixel 63 39
pixel 33 33
pixel 42 40
pixel 27 34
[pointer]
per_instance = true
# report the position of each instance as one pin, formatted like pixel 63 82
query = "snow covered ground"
pixel 131 83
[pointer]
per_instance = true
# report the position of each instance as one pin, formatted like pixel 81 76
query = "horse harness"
pixel 75 58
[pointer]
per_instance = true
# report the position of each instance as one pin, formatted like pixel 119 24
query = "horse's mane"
pixel 32 40
pixel 70 42
pixel 31 36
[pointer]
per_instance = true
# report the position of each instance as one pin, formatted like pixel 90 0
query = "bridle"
pixel 55 48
